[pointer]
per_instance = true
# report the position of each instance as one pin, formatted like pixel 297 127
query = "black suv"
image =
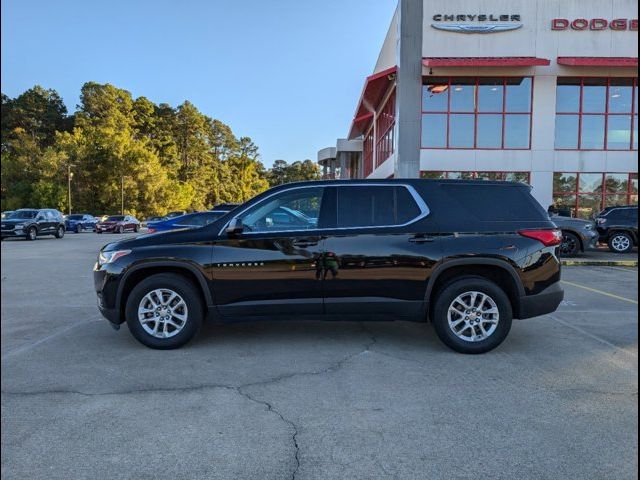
pixel 466 255
pixel 29 223
pixel 618 228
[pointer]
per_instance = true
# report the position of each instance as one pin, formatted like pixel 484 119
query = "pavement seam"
pixel 239 389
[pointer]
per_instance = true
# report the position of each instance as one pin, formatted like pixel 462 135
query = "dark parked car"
pixel 578 235
pixel 30 223
pixel 466 255
pixel 118 224
pixel 149 220
pixel 190 220
pixel 618 228
pixel 80 222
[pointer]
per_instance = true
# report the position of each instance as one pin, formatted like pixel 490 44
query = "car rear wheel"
pixel 620 242
pixel 472 315
pixel 136 228
pixel 32 233
pixel 570 245
pixel 59 232
pixel 164 311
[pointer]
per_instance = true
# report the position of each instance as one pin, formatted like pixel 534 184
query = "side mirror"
pixel 235 227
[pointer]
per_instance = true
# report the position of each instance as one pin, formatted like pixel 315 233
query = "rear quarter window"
pixel 495 202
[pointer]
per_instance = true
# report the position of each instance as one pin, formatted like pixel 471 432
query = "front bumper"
pixel 16 232
pixel 542 303
pixel 105 282
pixel 102 228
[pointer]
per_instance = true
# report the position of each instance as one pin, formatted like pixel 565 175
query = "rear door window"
pixel 375 206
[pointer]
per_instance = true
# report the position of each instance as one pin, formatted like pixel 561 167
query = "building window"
pixel 385 123
pixel 367 153
pixel 585 194
pixel 477 112
pixel 596 114
pixel 523 177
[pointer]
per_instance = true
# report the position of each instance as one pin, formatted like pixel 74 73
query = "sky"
pixel 287 73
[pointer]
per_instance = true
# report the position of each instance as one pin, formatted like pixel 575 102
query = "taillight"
pixel 151 230
pixel 548 238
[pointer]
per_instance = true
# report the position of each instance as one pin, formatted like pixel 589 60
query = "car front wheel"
pixel 164 311
pixel 120 229
pixel 32 233
pixel 620 242
pixel 472 315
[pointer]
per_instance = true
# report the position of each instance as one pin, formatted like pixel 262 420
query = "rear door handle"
pixel 421 239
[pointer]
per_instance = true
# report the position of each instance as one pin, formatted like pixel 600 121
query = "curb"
pixel 599 263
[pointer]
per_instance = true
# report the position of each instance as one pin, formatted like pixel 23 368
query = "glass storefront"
pixel 477 112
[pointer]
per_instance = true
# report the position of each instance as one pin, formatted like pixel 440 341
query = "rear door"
pixel 380 256
pixel 271 267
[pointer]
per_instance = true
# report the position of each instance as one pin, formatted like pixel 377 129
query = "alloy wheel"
pixel 620 243
pixel 162 313
pixel 473 316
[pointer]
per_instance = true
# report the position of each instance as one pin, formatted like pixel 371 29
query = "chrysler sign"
pixel 481 23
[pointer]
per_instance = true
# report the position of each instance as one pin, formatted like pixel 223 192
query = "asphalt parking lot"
pixel 310 400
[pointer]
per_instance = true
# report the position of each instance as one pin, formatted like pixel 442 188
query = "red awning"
pixel 484 62
pixel 375 86
pixel 598 61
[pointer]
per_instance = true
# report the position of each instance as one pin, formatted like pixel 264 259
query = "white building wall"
pixel 387 56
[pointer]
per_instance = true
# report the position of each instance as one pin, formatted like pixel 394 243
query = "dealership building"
pixel 542 91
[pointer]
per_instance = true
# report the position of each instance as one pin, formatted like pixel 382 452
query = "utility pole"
pixel 69 177
pixel 122 195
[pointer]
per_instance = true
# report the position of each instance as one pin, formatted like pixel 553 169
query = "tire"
pixel 78 229
pixel 168 282
pixel 136 228
pixel 570 244
pixel 620 242
pixel 120 229
pixel 496 331
pixel 98 231
pixel 59 232
pixel 32 234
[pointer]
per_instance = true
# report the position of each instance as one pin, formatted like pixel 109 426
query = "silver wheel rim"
pixel 473 316
pixel 162 313
pixel 32 233
pixel 620 242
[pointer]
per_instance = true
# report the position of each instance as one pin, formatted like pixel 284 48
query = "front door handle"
pixel 304 244
pixel 421 239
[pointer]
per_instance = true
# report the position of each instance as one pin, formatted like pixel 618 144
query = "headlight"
pixel 112 256
pixel 19 225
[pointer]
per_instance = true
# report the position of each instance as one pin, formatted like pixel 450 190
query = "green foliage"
pixel 161 158
pixel 282 172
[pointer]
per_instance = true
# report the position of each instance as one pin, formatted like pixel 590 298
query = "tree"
pixel 300 171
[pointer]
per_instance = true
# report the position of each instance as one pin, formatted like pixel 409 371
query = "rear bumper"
pixel 544 302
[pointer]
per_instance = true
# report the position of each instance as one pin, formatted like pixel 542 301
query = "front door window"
pixel 296 210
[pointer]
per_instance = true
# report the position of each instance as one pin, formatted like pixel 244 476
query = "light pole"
pixel 69 177
pixel 121 194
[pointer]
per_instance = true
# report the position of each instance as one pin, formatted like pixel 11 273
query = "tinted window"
pixel 23 214
pixel 50 215
pixel 375 206
pixel 495 203
pixel 115 218
pixel 199 219
pixel 76 217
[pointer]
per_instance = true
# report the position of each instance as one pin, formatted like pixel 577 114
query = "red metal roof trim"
pixel 598 61
pixel 485 62
pixel 375 86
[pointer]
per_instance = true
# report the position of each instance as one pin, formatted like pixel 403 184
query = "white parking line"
pixel 30 346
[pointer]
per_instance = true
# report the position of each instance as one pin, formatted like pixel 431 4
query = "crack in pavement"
pixel 239 389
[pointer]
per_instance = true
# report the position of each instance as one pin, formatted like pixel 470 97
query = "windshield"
pixel 75 217
pixel 23 214
pixel 115 218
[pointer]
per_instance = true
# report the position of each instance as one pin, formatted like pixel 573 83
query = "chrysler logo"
pixel 462 24
pixel 461 28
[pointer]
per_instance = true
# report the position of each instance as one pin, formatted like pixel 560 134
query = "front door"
pixel 380 257
pixel 271 267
